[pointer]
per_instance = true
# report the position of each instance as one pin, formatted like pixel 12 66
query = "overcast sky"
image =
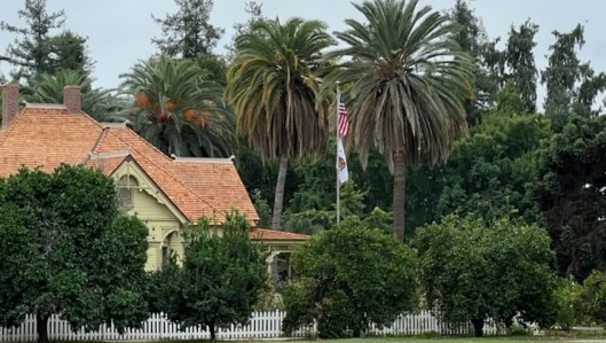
pixel 119 31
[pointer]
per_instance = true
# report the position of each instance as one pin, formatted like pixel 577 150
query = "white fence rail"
pixel 267 324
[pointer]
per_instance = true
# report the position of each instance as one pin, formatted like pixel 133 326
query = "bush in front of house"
pixel 346 278
pixel 222 277
pixel 66 250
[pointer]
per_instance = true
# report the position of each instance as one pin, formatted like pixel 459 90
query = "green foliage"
pixel 222 276
pixel 272 84
pixel 39 51
pixel 470 271
pixel 347 277
pixel 212 68
pixel 407 80
pixel 568 298
pixel 593 296
pixel 177 110
pixel 188 32
pixel 520 60
pixel 509 101
pixel 472 38
pixel 262 207
pixel 572 86
pixel 279 115
pixel 98 103
pixel 570 195
pixel 68 251
pixel 488 173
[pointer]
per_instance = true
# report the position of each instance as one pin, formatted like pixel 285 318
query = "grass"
pixel 528 339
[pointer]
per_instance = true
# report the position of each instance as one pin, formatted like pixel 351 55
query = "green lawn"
pixel 597 339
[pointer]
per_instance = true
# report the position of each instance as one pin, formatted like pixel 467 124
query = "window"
pixel 125 189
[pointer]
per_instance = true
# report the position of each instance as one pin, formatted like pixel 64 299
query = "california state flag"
pixel 342 173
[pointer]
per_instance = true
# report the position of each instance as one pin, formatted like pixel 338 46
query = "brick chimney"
pixel 71 98
pixel 10 103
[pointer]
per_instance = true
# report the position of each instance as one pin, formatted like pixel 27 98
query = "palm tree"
pixel 407 81
pixel 273 85
pixel 100 104
pixel 177 110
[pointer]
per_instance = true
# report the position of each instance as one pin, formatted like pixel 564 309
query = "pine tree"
pixel 37 51
pixel 188 32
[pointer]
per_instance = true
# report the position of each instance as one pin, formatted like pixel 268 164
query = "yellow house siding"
pixel 145 206
pixel 160 216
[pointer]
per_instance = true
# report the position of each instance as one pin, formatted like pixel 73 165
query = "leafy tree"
pixel 572 86
pixel 66 250
pixel 262 208
pixel 188 32
pixel 570 195
pixel 272 84
pixel 520 60
pixel 213 68
pixel 309 218
pixel 177 110
pixel 472 272
pixel 98 103
pixel 472 38
pixel 489 173
pixel 568 298
pixel 348 277
pixel 38 51
pixel 593 296
pixel 222 277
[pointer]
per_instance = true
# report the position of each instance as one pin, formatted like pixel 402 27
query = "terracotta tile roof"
pixel 275 235
pixel 48 136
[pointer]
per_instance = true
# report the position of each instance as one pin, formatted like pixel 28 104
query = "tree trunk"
pixel 399 194
pixel 211 329
pixel 478 326
pixel 42 327
pixel 276 221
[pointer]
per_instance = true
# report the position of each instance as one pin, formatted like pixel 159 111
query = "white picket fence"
pixel 267 324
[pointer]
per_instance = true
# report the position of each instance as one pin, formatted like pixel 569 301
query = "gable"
pixel 149 202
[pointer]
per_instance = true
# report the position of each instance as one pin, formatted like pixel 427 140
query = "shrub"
pixel 568 298
pixel 347 277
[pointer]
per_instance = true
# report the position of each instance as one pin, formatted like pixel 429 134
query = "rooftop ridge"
pixel 121 125
pixel 45 105
pixel 219 160
pixel 109 154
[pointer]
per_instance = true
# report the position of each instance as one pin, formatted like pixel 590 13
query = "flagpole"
pixel 338 100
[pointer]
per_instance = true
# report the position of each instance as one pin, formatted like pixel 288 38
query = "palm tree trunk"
pixel 276 221
pixel 399 194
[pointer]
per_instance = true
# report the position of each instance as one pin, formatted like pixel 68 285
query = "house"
pixel 165 192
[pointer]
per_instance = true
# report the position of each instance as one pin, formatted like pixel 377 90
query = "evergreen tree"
pixel 472 38
pixel 188 32
pixel 520 60
pixel 37 51
pixel 572 86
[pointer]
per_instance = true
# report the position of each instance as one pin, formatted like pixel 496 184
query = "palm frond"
pixel 273 86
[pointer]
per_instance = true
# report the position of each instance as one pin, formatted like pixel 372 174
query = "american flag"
pixel 343 124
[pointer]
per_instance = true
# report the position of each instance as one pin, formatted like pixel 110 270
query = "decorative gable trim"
pixel 130 167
